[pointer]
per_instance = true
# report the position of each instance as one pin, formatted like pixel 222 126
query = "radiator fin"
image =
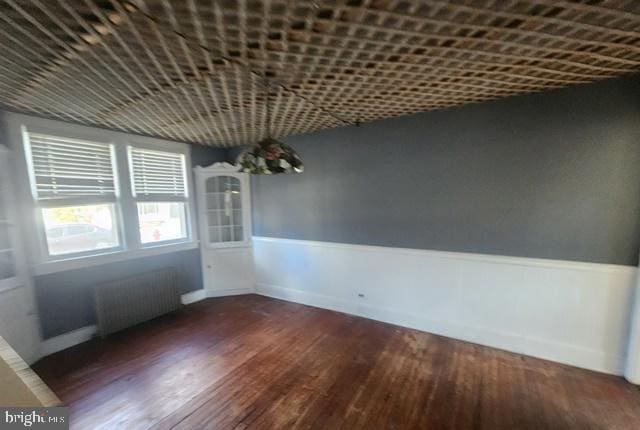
pixel 126 302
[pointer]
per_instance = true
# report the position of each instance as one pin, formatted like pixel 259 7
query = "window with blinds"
pixel 64 168
pixel 94 189
pixel 158 181
pixel 155 173
pixel 74 184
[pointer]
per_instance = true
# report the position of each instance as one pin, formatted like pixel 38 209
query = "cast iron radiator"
pixel 129 301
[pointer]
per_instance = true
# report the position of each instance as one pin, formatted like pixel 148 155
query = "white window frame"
pixel 38 205
pixel 187 199
pixel 126 211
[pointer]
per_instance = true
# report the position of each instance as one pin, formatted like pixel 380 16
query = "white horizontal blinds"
pixel 157 173
pixel 64 167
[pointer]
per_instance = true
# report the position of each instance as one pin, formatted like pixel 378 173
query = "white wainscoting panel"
pixel 571 312
pixel 632 370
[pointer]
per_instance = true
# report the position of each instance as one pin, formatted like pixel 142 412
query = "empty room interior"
pixel 351 214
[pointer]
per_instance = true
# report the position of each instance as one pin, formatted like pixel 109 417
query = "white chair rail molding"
pixel 362 214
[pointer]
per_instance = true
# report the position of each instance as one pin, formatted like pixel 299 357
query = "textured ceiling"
pixel 193 70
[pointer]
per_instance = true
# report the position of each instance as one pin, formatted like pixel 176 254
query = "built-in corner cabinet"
pixel 224 219
pixel 18 316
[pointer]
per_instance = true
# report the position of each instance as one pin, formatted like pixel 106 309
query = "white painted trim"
pixel 572 312
pixel 230 292
pixel 218 168
pixel 499 259
pixel 125 204
pixel 67 340
pixel 534 347
pixel 632 366
pixel 193 296
pixel 114 257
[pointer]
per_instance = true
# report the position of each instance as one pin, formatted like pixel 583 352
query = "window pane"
pixel 63 167
pixel 160 222
pixel 73 229
pixel 157 173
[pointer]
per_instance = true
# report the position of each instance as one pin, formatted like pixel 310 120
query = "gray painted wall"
pixel 65 299
pixel 551 175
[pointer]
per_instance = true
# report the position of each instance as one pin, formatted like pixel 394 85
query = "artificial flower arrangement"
pixel 270 157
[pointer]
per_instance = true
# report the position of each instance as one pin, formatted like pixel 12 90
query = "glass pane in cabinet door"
pixel 237 217
pixel 229 183
pixel 237 234
pixel 214 234
pixel 225 234
pixel 224 209
pixel 234 184
pixel 225 218
pixel 213 218
pixel 213 201
pixel 236 202
pixel 212 185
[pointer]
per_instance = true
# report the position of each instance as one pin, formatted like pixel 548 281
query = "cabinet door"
pixel 225 212
pixel 225 232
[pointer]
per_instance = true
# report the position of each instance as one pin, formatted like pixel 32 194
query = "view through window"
pixel 73 229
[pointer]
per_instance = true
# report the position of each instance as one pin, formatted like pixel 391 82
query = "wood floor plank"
pixel 251 362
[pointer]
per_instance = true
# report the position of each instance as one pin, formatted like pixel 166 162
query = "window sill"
pixel 111 257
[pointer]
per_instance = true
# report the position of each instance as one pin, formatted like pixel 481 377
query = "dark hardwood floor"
pixel 253 362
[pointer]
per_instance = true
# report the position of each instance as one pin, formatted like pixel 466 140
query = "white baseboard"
pixel 67 340
pixel 83 334
pixel 575 313
pixel 541 348
pixel 193 296
pixel 230 292
pixel 198 295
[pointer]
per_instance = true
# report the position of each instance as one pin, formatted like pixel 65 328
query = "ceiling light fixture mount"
pixel 269 156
